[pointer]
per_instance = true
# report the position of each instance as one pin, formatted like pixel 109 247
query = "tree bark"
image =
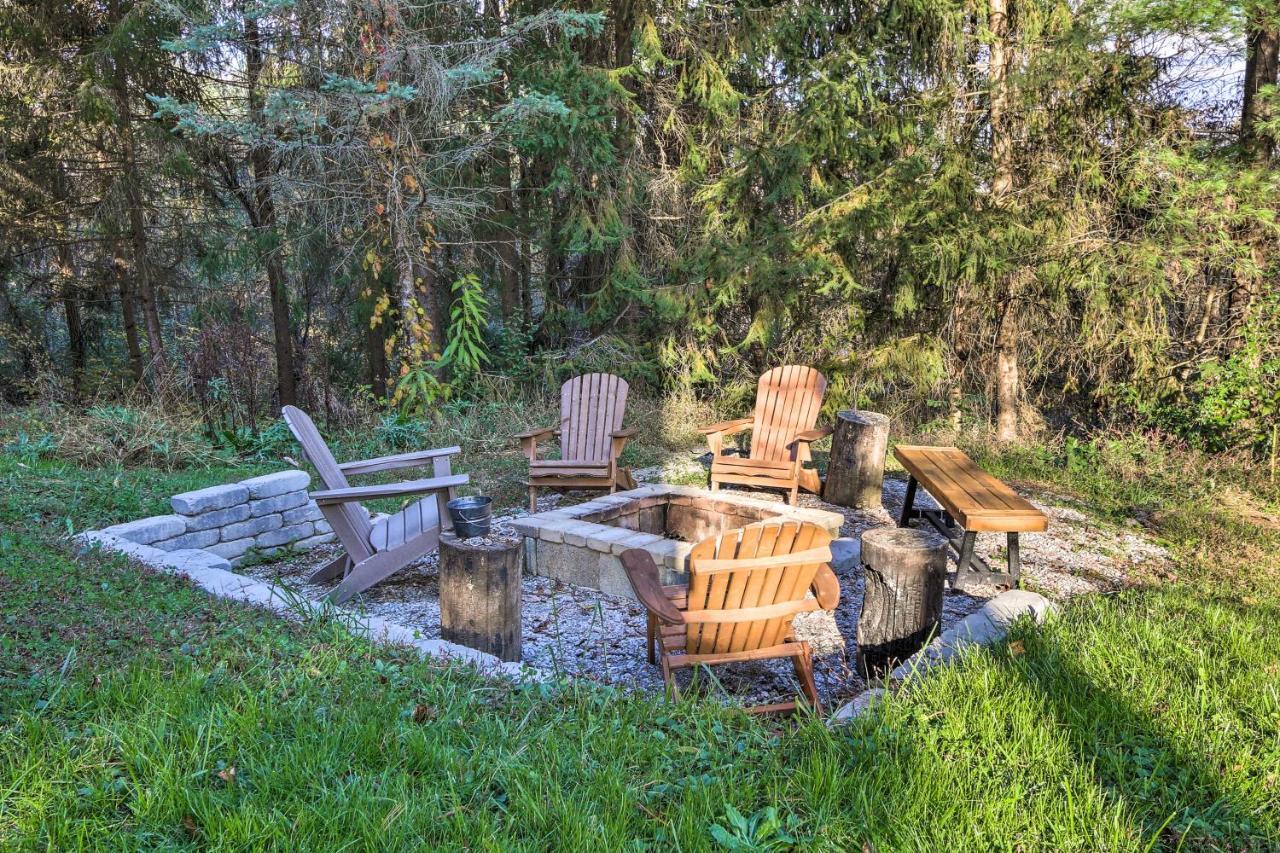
pixel 855 475
pixel 1002 158
pixel 128 310
pixel 480 596
pixel 144 288
pixel 75 323
pixel 260 160
pixel 905 573
pixel 1262 67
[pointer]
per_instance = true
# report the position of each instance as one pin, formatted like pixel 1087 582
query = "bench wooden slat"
pixel 978 501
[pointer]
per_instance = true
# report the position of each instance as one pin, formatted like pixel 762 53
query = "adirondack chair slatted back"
pixel 750 587
pixel 352 525
pixel 591 410
pixel 787 402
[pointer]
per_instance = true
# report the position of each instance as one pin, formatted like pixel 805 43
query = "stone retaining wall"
pixel 263 516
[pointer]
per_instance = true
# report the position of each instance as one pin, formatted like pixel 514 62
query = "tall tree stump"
pixel 480 595
pixel 855 474
pixel 905 574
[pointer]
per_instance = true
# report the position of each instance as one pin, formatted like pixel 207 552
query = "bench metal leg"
pixel 908 504
pixel 966 553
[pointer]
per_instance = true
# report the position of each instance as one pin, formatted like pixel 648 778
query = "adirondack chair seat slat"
pixel 375 550
pixel 591 438
pixel 788 399
pixel 733 613
pixel 394 530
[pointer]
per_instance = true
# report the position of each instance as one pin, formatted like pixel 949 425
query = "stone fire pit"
pixel 582 544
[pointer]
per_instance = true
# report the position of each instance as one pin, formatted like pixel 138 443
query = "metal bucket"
pixel 471 516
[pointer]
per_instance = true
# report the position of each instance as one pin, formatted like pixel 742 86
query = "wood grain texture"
pixel 788 400
pixel 480 597
pixel 978 501
pixel 855 475
pixel 905 577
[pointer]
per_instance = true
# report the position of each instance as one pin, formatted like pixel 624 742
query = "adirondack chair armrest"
pixel 399 460
pixel 642 572
pixel 826 587
pixel 727 427
pixel 619 441
pixel 389 490
pixel 529 440
pixel 807 437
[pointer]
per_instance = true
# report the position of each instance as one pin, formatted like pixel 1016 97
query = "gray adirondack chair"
pixel 375 549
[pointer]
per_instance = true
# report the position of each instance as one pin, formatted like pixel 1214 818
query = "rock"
pixel 309 512
pixel 232 550
pixel 252 527
pixel 188 560
pixel 285 535
pixel 218 517
pixel 270 485
pixel 313 541
pixel 205 500
pixel 277 503
pixel 196 539
pixel 860 705
pixel 146 531
pixel 109 543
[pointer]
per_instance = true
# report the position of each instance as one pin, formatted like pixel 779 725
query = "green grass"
pixel 135 712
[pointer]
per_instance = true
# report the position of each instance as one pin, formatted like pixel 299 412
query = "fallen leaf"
pixel 422 713
pixel 189 825
pixel 1017 648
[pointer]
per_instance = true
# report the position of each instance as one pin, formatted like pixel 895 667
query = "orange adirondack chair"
pixel 745 588
pixel 787 402
pixel 591 439
pixel 375 550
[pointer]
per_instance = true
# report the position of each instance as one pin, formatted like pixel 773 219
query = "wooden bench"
pixel 972 502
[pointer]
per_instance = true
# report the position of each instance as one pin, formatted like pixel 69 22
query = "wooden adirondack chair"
pixel 787 402
pixel 375 549
pixel 591 439
pixel 745 587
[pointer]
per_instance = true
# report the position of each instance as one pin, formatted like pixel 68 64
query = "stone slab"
pixel 147 531
pixel 218 517
pixel 233 549
pixel 270 485
pixel 195 539
pixel 185 560
pixel 308 512
pixel 603 538
pixel 252 527
pixel 635 540
pixel 212 498
pixel 277 503
pixel 284 535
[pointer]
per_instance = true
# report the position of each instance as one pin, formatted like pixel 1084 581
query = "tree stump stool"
pixel 855 474
pixel 905 574
pixel 480 595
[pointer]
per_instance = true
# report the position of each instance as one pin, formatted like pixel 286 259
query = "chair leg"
pixel 651 630
pixel 668 678
pixel 533 498
pixel 795 494
pixel 715 485
pixel 803 663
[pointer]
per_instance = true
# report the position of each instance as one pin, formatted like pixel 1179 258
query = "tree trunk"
pixel 1002 157
pixel 128 310
pixel 855 475
pixel 1262 65
pixel 905 573
pixel 480 596
pixel 75 323
pixel 144 283
pixel 260 159
pixel 508 247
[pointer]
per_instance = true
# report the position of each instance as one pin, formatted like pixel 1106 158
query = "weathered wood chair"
pixel 745 587
pixel 782 429
pixel 591 439
pixel 375 549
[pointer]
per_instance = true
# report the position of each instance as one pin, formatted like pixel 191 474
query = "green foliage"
pixel 465 354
